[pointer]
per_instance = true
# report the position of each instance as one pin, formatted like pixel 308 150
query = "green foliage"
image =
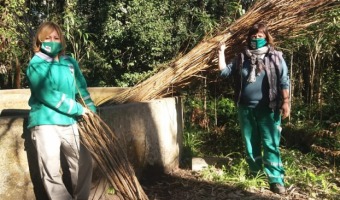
pixel 129 79
pixel 314 72
pixel 111 191
pixel 137 36
pixel 80 45
pixel 304 172
pixel 310 173
pixel 226 109
pixel 15 47
pixel 9 18
pixel 312 134
pixel 192 143
pixel 217 120
pixel 222 109
pixel 236 173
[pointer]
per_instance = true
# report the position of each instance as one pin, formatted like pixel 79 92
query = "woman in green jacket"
pixel 55 81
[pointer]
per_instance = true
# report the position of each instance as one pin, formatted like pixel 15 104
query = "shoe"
pixel 277 188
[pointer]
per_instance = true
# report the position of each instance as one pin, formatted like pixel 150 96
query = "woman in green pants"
pixel 262 96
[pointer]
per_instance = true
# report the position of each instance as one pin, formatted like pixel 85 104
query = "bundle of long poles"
pixel 106 150
pixel 286 18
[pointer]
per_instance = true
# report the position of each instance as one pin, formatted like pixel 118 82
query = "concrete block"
pixel 150 132
pixel 15 180
pixel 199 164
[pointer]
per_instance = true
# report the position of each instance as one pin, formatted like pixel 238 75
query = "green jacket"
pixel 53 86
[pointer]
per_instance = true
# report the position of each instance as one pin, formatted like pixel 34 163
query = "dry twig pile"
pixel 284 18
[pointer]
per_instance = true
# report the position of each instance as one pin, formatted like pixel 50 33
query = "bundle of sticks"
pixel 284 18
pixel 105 149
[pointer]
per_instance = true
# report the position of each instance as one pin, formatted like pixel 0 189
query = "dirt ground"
pixel 184 184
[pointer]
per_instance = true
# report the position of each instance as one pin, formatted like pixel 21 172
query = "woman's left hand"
pixel 285 110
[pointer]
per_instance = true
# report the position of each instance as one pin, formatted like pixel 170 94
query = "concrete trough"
pixel 150 133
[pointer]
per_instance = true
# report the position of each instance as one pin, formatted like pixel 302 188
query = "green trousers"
pixel 261 132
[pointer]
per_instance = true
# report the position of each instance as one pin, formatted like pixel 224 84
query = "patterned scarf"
pixel 256 62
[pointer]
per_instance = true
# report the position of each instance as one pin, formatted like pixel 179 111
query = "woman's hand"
pixel 221 47
pixel 221 57
pixel 285 110
pixel 87 113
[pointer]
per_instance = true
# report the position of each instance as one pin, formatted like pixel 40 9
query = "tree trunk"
pixel 17 74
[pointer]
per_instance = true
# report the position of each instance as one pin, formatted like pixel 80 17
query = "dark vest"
pixel 273 68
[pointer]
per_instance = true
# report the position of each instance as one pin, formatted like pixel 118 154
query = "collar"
pixel 44 56
pixel 48 58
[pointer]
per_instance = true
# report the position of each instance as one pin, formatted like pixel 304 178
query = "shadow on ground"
pixel 185 185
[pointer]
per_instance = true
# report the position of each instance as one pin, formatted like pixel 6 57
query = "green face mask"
pixel 51 48
pixel 258 43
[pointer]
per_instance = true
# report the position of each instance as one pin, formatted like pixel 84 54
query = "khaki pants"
pixel 49 140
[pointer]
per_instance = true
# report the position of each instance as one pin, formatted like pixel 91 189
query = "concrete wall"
pixel 15 179
pixel 18 98
pixel 150 132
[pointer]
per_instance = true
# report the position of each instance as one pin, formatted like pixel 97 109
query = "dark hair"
pixel 260 27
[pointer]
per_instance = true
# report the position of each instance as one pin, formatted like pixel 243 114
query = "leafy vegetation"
pixel 305 173
pixel 310 148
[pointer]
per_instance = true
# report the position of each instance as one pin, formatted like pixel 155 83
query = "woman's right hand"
pixel 221 46
pixel 221 56
pixel 87 112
